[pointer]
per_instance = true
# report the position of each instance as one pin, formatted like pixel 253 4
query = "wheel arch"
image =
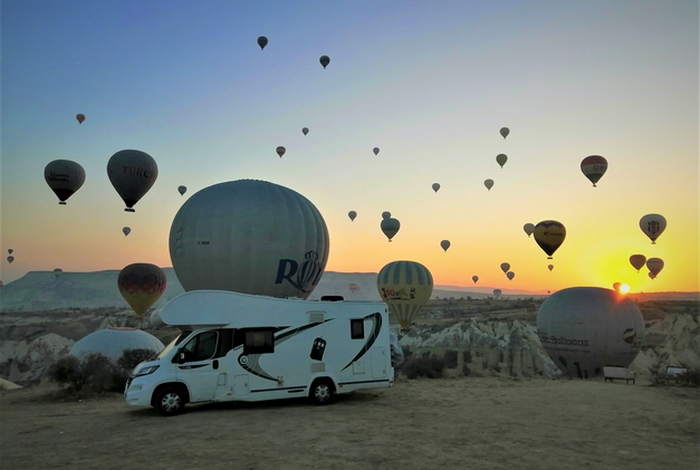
pixel 179 385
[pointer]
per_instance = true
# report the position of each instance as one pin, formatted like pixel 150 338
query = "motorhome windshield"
pixel 174 343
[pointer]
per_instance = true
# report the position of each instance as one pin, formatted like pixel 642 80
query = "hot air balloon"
pixel 405 286
pixel 80 117
pixel 281 151
pixel 249 236
pixel 510 275
pixel 475 278
pixel 585 328
pixel 182 190
pixel 653 225
pixel 488 183
pixel 305 130
pixel 57 272
pixel 64 177
pixel 638 261
pixel 655 265
pixel 386 215
pixel 262 42
pixel 549 235
pixel 652 276
pixel 353 287
pixel 616 286
pixel 505 267
pixel 390 226
pixel 497 293
pixel 113 342
pixel 550 267
pixel 376 150
pixel 141 285
pixel 501 159
pixel 126 231
pixel 132 173
pixel 445 244
pixel 594 167
pixel 436 187
pixel 529 229
pixel 504 132
pixel 10 259
pixel 10 251
pixel 352 215
pixel 325 60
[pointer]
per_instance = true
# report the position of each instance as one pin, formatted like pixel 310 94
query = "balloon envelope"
pixel 249 236
pixel 504 132
pixel 80 117
pixel 113 342
pixel 262 42
pixel 132 173
pixel 386 215
pixel 497 293
pixel 475 278
pixel 616 286
pixel 405 286
pixel 280 151
pixel 126 231
pixel 550 267
pixel 57 272
pixel 390 227
pixel 501 159
pixel 436 187
pixel 585 328
pixel 655 265
pixel 529 229
pixel 352 215
pixel 549 235
pixel 445 244
pixel 353 287
pixel 653 225
pixel 64 177
pixel 10 259
pixel 182 190
pixel 488 183
pixel 376 150
pixel 594 167
pixel 510 275
pixel 305 130
pixel 10 251
pixel 505 267
pixel 141 285
pixel 638 261
pixel 324 60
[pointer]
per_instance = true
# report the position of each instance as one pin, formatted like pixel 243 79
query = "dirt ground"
pixel 460 423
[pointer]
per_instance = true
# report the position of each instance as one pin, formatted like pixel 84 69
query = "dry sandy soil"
pixel 461 423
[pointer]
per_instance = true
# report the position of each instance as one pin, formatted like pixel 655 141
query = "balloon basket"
pixel 62 203
pixel 129 209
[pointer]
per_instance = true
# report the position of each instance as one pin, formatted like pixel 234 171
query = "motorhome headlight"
pixel 147 370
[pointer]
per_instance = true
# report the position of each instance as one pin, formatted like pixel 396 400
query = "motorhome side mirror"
pixel 180 357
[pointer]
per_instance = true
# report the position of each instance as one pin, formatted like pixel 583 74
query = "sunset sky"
pixel 429 83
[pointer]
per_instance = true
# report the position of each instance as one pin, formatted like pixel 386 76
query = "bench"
pixel 618 372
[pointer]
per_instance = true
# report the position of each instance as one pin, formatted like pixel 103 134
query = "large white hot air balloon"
pixel 584 329
pixel 249 236
pixel 112 342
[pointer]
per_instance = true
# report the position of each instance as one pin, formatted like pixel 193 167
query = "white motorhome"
pixel 251 348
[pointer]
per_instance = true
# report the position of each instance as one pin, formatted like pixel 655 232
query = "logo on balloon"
pixel 629 335
pixel 306 275
pixel 401 294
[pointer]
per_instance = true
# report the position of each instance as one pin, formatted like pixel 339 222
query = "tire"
pixel 321 392
pixel 170 401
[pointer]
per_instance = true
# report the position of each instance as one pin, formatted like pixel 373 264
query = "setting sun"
pixel 624 288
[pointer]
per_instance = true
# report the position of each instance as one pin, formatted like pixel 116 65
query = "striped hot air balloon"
pixel 141 285
pixel 405 286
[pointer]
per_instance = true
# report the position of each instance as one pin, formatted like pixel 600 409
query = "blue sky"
pixel 429 83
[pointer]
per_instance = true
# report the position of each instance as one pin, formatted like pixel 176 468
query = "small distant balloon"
pixel 390 227
pixel 281 151
pixel 325 60
pixel 57 272
pixel 652 276
pixel 594 167
pixel 653 225
pixel 550 267
pixel 475 278
pixel 386 214
pixel 352 215
pixel 10 259
pixel 353 287
pixel 504 132
pixel 436 187
pixel 262 42
pixel 10 251
pixel 617 285
pixel 182 190
pixel 529 229
pixel 445 244
pixel 497 293
pixel 505 267
pixel 376 150
pixel 126 231
pixel 501 159
pixel 80 117
pixel 638 261
pixel 489 184
pixel 549 235
pixel 510 275
pixel 655 265
pixel 305 130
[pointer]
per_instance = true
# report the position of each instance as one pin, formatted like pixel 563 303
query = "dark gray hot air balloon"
pixel 132 173
pixel 390 227
pixel 64 177
pixel 584 329
pixel 325 60
pixel 262 42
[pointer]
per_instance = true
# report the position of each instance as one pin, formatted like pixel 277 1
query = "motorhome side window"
pixel 258 341
pixel 357 329
pixel 201 347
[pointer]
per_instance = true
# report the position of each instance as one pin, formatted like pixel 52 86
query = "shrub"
pixel 133 357
pixel 91 373
pixel 451 358
pixel 425 366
